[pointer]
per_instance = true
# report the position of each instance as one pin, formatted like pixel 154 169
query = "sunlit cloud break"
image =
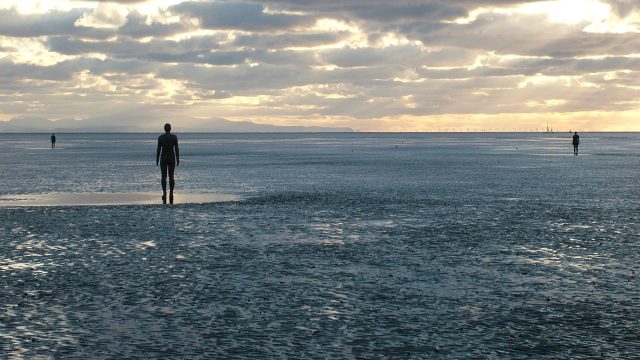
pixel 369 65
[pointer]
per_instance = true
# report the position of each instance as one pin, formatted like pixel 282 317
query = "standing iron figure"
pixel 168 157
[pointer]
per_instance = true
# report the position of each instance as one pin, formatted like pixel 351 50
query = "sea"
pixel 321 246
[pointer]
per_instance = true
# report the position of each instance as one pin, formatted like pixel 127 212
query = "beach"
pixel 361 245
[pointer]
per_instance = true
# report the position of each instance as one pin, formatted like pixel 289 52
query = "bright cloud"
pixel 109 16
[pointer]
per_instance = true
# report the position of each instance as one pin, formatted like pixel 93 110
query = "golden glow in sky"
pixel 569 11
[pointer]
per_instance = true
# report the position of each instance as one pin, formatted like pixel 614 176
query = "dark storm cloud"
pixel 239 15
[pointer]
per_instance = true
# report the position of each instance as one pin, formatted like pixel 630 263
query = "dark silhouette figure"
pixel 576 142
pixel 53 141
pixel 168 157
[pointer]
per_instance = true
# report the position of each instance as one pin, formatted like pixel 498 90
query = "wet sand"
pixel 104 199
pixel 452 246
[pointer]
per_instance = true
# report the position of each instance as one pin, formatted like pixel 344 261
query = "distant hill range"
pixel 100 125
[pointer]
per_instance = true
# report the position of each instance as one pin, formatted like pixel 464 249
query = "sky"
pixel 371 65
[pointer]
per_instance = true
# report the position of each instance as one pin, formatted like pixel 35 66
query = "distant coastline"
pixel 214 125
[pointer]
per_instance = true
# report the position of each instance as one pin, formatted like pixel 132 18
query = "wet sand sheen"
pixel 339 246
pixel 104 199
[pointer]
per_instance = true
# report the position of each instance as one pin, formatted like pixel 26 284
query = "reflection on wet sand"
pixel 103 199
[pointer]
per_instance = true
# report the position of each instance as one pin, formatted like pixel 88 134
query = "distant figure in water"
pixel 168 157
pixel 53 140
pixel 576 142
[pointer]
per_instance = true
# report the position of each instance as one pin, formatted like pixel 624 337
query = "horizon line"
pixel 325 132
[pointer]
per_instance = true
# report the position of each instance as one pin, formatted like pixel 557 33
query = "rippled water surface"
pixel 338 246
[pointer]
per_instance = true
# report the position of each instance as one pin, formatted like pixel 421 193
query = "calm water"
pixel 339 246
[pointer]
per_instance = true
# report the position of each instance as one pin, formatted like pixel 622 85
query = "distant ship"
pixel 549 130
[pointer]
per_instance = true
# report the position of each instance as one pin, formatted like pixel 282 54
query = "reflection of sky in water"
pixel 103 199
pixel 443 248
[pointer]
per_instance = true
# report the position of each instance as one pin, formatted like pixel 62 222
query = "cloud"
pixel 380 10
pixel 47 24
pixel 118 1
pixel 138 26
pixel 532 66
pixel 358 57
pixel 239 15
pixel 130 48
pixel 407 56
pixel 105 16
pixel 287 40
pixel 202 50
pixel 10 72
pixel 624 8
pixel 100 23
pixel 514 34
pixel 303 59
pixel 391 11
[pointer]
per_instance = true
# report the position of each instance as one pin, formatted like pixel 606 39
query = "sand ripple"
pixel 321 275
